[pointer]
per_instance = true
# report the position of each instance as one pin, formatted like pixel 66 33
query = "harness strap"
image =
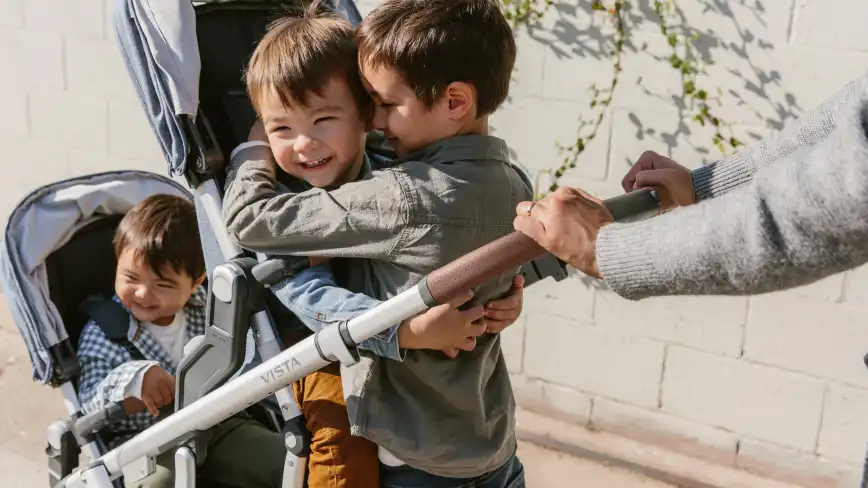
pixel 114 320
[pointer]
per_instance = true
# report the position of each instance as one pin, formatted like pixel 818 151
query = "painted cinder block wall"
pixel 771 383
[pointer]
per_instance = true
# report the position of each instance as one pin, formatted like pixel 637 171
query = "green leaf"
pixel 673 40
pixel 597 6
pixel 689 87
pixel 702 95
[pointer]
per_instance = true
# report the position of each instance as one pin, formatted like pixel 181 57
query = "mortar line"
pixel 744 327
pixel 662 376
pixel 794 17
pixel 822 416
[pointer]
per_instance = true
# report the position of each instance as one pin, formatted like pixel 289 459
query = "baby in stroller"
pixel 160 270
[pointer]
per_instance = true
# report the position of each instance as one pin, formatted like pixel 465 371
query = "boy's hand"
pixel 673 182
pixel 133 405
pixel 500 314
pixel 444 328
pixel 158 389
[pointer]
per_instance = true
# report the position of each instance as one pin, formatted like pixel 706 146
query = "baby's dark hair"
pixel 163 230
pixel 433 43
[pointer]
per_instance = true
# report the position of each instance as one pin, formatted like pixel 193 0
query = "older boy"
pixel 159 272
pixel 453 191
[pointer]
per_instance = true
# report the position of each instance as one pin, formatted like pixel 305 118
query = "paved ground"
pixel 28 408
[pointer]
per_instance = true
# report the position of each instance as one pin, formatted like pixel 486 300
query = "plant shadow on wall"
pixel 620 32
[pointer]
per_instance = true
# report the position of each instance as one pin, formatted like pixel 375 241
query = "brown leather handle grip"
pixel 513 250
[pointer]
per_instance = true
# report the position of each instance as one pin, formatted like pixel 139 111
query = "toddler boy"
pixel 160 268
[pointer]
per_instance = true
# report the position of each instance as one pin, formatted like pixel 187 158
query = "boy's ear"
pixel 200 280
pixel 460 99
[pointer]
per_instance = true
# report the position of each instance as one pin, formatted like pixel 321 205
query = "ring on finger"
pixel 529 208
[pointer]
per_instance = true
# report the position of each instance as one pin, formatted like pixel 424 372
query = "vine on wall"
pixel 684 59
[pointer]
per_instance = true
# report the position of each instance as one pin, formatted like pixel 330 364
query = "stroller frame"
pixel 209 388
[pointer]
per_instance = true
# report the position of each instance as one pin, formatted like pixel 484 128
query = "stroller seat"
pixel 81 268
pixel 57 253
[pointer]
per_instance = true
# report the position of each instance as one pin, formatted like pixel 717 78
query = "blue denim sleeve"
pixel 317 301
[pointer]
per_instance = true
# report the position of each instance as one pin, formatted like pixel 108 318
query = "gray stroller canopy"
pixel 43 222
pixel 159 44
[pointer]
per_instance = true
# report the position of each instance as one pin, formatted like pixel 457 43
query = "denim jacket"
pixel 448 417
pixel 315 298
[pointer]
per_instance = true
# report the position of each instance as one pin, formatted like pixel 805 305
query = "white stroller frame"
pixel 209 386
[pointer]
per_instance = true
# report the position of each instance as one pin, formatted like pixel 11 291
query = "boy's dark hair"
pixel 433 43
pixel 163 230
pixel 300 52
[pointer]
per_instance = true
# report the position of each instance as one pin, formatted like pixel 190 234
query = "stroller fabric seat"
pixel 81 268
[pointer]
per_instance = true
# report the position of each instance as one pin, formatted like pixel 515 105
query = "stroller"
pixel 186 61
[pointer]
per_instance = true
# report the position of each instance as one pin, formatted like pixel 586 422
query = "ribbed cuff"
pixel 624 259
pixel 253 152
pixel 718 178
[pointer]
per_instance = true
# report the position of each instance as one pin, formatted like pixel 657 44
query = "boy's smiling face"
pixel 151 297
pixel 322 142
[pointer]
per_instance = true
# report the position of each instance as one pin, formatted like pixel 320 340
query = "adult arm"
pixel 794 223
pixel 718 178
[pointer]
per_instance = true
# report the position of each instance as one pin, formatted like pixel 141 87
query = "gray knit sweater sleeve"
pixel 771 227
pixel 720 177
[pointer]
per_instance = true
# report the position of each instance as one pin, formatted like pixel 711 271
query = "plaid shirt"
pixel 107 368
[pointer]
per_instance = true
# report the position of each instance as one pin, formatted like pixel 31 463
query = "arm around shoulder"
pixel 360 219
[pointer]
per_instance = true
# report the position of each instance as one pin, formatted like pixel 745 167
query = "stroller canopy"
pixel 159 43
pixel 43 222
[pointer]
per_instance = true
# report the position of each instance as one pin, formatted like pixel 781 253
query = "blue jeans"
pixel 510 475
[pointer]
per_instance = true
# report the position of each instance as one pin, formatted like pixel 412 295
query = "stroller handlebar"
pixel 511 251
pixel 93 422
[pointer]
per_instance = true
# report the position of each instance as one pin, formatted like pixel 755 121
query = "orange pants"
pixel 337 458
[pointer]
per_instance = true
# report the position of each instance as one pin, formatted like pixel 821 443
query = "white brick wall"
pixel 774 384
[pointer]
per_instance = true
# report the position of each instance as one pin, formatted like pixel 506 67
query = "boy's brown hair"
pixel 162 229
pixel 433 43
pixel 300 52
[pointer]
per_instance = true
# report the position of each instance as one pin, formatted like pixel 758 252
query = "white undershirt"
pixel 172 338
